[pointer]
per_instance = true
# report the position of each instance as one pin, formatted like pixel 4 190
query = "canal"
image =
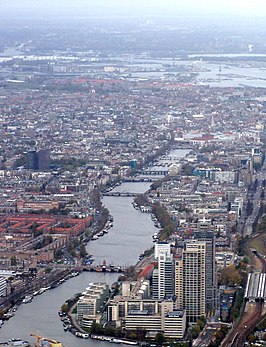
pixel 130 235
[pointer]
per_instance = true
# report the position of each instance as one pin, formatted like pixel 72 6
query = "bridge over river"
pixel 120 194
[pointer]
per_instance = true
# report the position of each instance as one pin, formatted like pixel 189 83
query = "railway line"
pixel 238 334
pixel 252 322
pixel 250 319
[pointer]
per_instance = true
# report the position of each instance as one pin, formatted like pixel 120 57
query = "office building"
pixel 150 315
pixel 194 279
pixel 174 324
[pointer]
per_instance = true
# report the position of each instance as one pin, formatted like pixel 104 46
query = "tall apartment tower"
pixel 32 160
pixel 194 279
pixel 161 247
pixel 44 160
pixel 211 279
pixel 163 276
pixel 38 160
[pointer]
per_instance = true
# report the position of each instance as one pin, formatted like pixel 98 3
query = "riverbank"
pixel 130 236
pixel 38 287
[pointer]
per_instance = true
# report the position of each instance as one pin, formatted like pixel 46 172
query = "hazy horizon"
pixel 100 8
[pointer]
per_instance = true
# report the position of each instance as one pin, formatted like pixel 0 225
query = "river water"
pixel 210 72
pixel 130 235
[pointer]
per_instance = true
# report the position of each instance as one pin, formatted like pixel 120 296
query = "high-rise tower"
pixel 194 279
pixel 211 279
pixel 163 276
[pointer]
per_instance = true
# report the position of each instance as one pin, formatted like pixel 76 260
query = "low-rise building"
pixel 92 302
pixel 147 314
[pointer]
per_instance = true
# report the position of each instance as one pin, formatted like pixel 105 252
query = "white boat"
pixel 83 335
pixel 15 342
pixel 126 342
pixel 27 299
pixel 42 290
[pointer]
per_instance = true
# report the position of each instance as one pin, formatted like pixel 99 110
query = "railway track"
pixel 256 316
pixel 252 322
pixel 242 329
pixel 238 334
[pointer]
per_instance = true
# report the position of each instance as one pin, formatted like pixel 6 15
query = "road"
pixel 251 317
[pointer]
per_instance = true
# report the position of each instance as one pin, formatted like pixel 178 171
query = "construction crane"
pixel 46 342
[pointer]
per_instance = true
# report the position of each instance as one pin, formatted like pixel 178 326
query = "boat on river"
pixel 27 299
pixel 15 342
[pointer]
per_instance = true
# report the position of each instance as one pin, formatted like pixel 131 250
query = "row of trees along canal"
pixel 167 223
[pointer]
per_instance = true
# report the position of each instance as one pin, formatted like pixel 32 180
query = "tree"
pixel 118 332
pixel 13 261
pixel 82 251
pixel 187 170
pixel 251 338
pixel 96 328
pixel 131 335
pixel 58 253
pixel 109 330
pixel 75 242
pixel 47 240
pixel 231 276
pixel 159 338
pixel 201 322
pixel 141 200
pixel 64 308
pixel 195 331
pixel 155 185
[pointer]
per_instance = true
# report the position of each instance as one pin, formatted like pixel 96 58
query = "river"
pixel 227 73
pixel 130 235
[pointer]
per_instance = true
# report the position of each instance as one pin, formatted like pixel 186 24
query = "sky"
pixel 75 7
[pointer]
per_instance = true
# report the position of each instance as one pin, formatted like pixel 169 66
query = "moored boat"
pixel 27 299
pixel 15 342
